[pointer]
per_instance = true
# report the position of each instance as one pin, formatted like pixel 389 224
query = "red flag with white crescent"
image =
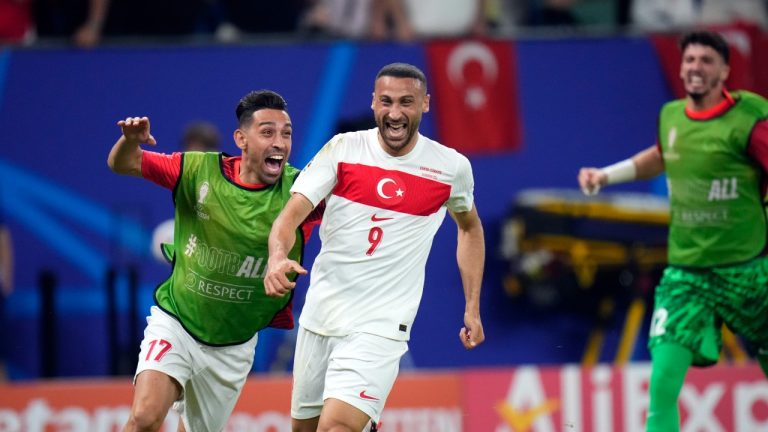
pixel 474 95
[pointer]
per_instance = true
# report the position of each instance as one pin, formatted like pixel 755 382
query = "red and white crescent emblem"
pixel 390 190
pixel 475 88
pixel 387 189
pixel 477 84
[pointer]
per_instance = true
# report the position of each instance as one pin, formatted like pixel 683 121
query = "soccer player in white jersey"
pixel 386 191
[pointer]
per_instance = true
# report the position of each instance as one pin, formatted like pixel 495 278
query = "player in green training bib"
pixel 200 337
pixel 713 146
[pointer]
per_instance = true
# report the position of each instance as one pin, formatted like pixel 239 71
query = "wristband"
pixel 620 172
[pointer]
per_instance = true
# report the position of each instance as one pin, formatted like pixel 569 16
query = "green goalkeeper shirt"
pixel 716 201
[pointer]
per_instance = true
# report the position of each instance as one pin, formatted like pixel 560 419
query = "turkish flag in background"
pixel 475 99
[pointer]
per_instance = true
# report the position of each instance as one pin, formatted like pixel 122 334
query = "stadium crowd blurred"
pixel 86 23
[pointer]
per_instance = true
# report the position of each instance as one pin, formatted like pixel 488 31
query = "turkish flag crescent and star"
pixel 475 100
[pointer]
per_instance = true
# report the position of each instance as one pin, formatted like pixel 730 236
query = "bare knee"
pixel 153 396
pixel 339 416
pixel 304 425
pixel 145 419
pixel 337 427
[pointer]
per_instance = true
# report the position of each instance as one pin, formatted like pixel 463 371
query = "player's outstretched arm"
pixel 125 156
pixel 470 254
pixel 282 237
pixel 644 165
pixel 648 163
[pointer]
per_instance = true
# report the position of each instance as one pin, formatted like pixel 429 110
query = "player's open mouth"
pixel 396 130
pixel 274 163
pixel 696 80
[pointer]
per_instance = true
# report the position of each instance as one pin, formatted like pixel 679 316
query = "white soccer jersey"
pixel 381 215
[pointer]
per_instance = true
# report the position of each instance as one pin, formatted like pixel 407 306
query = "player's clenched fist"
pixel 471 335
pixel 591 180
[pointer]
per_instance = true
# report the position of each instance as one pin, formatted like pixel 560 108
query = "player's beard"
pixel 698 96
pixel 396 146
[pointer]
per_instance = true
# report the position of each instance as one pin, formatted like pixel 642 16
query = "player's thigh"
pixel 309 369
pixel 154 393
pixel 362 371
pixel 339 416
pixel 742 299
pixel 166 348
pixel 213 390
pixel 682 316
pixel 305 425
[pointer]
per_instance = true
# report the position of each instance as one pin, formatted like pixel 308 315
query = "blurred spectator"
pixel 198 136
pixel 552 13
pixel 16 21
pixel 82 20
pixel 6 287
pixel 659 15
pixel 340 18
pixel 201 136
pixel 506 16
pixel 447 18
pixel 389 20
pixel 402 20
pixel 262 17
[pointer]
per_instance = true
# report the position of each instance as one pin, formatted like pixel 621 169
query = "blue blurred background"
pixel 585 99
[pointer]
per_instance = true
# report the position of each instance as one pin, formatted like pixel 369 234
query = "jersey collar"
pixel 236 175
pixel 713 112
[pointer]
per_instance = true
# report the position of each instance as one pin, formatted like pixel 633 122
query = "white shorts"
pixel 358 369
pixel 211 377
